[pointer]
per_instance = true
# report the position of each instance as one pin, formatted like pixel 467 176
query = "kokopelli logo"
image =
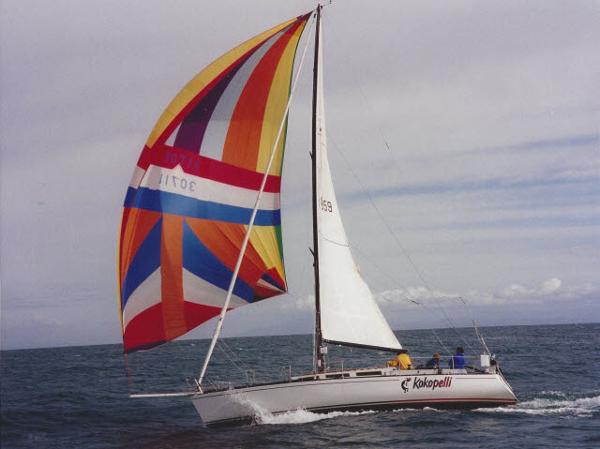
pixel 404 384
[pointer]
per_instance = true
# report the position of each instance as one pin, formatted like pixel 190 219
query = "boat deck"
pixel 356 373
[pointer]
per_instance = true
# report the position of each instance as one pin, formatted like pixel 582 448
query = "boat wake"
pixel 553 403
pixel 299 416
pixel 302 416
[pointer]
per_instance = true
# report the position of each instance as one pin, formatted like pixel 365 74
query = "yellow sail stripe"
pixel 275 108
pixel 264 240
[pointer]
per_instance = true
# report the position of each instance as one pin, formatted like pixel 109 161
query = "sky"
pixel 464 141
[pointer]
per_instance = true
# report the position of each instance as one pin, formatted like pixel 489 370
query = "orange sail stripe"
pixel 251 258
pixel 171 257
pixel 247 119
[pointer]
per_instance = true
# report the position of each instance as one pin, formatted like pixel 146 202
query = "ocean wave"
pixel 556 404
pixel 302 416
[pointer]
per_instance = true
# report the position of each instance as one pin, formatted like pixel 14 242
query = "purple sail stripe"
pixel 193 126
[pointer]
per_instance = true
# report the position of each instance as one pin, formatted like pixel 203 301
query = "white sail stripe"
pixel 265 284
pixel 176 181
pixel 136 177
pixel 147 294
pixel 199 291
pixel 216 131
pixel 171 139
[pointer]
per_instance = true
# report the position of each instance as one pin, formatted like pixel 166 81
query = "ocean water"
pixel 77 397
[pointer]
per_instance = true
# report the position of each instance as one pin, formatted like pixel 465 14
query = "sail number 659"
pixel 326 206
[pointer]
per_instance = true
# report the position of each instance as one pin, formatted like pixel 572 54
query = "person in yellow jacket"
pixel 402 360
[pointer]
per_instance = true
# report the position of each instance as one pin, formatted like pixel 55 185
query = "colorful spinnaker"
pixel 193 190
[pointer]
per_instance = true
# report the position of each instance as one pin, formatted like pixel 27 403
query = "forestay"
pixel 193 191
pixel 349 313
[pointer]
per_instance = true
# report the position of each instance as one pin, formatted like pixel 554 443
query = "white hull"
pixel 355 390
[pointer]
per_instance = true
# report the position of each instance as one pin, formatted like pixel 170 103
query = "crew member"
pixel 458 359
pixel 434 362
pixel 402 360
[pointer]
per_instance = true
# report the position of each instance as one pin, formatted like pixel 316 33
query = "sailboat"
pixel 201 235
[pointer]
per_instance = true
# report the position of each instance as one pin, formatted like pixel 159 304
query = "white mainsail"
pixel 348 311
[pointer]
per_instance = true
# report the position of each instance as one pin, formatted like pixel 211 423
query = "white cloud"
pixel 550 290
pixel 412 295
pixel 550 286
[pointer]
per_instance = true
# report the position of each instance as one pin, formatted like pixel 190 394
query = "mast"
pixel 318 362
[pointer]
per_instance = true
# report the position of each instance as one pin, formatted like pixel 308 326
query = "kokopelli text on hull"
pixel 419 383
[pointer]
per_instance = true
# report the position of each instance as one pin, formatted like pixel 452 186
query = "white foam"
pixel 302 416
pixel 581 407
pixel 431 409
pixel 424 409
pixel 298 416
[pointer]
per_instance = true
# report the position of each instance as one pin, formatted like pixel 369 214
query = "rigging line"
pixel 391 232
pixel 232 357
pixel 385 223
pixel 476 328
pixel 481 339
pixel 453 326
pixel 347 245
pixel 371 112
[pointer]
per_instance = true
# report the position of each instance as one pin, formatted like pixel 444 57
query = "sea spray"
pixel 261 415
pixel 301 416
pixel 581 407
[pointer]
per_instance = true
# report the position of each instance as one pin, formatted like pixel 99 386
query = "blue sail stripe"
pixel 272 281
pixel 171 203
pixel 198 260
pixel 145 262
pixel 130 196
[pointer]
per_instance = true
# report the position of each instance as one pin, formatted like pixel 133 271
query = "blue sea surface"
pixel 77 397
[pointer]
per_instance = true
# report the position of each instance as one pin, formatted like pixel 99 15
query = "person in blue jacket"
pixel 434 362
pixel 458 359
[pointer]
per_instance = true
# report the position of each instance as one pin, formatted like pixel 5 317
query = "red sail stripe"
pixel 194 164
